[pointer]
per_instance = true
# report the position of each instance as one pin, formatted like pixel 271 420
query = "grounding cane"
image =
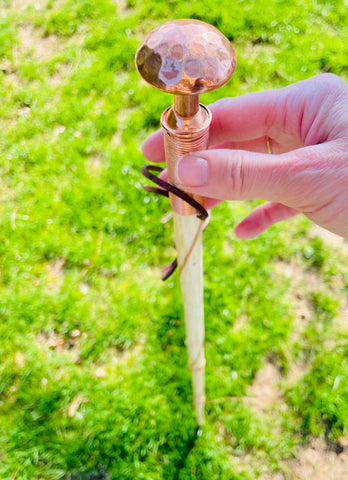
pixel 186 58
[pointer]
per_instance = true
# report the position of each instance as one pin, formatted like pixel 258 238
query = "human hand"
pixel 305 126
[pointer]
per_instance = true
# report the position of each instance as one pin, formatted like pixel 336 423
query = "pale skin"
pixel 306 127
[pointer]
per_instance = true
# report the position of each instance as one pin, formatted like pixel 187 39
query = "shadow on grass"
pixel 99 474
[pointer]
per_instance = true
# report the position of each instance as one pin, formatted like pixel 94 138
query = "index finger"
pixel 153 147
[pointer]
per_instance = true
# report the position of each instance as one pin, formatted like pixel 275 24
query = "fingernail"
pixel 193 171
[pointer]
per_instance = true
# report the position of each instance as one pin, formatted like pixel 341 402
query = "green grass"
pixel 93 366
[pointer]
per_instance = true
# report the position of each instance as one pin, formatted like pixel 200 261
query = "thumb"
pixel 241 175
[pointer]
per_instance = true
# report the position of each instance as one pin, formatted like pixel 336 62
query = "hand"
pixel 305 125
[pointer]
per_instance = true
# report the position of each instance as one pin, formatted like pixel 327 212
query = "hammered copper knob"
pixel 186 57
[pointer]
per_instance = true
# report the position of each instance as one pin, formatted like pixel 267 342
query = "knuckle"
pixel 268 216
pixel 330 81
pixel 234 173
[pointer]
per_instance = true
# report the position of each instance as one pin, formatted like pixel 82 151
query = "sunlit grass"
pixel 93 373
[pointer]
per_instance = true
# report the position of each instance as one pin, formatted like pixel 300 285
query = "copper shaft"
pixel 184 135
pixel 186 105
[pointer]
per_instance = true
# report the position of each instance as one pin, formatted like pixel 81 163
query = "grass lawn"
pixel 94 382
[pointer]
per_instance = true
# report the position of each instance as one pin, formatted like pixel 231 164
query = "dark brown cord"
pixel 146 169
pixel 163 189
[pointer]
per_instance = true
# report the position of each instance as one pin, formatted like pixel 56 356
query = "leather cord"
pixel 163 189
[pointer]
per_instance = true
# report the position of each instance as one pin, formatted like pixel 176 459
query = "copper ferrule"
pixel 184 134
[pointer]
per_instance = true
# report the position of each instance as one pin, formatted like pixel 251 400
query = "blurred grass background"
pixel 93 374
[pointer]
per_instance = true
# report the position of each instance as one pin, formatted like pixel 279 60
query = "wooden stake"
pixel 188 239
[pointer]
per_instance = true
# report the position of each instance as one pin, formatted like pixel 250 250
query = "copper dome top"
pixel 186 57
